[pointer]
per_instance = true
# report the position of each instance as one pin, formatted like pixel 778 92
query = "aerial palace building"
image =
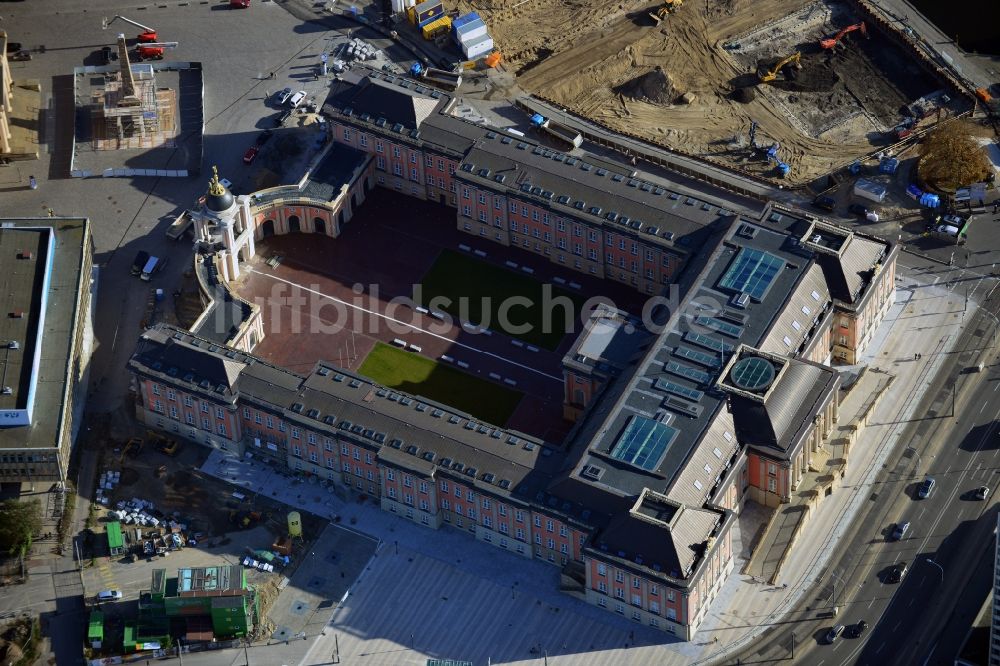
pixel 728 396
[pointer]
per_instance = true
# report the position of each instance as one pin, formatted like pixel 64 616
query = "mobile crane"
pixel 153 50
pixel 831 42
pixel 147 36
pixel 766 75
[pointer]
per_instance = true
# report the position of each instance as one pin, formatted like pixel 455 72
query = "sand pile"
pixel 653 86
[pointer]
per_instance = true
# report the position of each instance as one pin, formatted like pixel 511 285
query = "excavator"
pixel 766 75
pixel 666 9
pixel 147 36
pixel 831 42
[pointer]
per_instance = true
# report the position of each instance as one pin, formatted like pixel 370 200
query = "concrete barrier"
pixel 517 343
pixel 446 358
pixel 532 348
pixel 422 310
pixel 479 253
pixel 398 341
pixel 574 285
pixel 510 382
pixel 416 348
pixel 462 364
pixel 465 248
pixel 559 280
pixel 511 264
pixel 495 376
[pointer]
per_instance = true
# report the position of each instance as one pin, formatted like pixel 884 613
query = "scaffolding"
pixel 130 111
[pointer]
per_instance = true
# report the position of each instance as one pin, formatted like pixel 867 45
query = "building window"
pixel 619 576
pixel 363 138
pixel 444 486
pixel 772 485
pixel 635 582
pixel 295 433
pixel 379 147
pixel 602 570
pixel 395 151
pixel 390 475
pixel 156 389
pixel 380 162
pixel 222 429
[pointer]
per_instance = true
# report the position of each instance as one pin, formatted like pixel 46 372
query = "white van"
pixel 152 265
pixel 109 595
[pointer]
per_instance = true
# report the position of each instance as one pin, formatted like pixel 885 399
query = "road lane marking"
pixel 897 626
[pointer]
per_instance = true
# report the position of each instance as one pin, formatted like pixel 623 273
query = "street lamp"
pixel 940 568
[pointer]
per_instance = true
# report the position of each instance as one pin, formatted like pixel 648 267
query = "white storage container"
pixel 478 48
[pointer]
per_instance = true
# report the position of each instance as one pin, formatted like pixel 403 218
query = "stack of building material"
pixel 471 35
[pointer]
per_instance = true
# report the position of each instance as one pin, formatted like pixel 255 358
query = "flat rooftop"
pixel 44 286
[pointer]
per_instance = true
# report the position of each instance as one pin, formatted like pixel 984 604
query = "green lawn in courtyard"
pixel 486 287
pixel 418 375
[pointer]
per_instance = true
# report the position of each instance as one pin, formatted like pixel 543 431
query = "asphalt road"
pixel 948 535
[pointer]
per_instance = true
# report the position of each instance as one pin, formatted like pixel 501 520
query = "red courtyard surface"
pixel 329 299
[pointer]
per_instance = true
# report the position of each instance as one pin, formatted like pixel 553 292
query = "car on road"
pixel 251 154
pixel 857 209
pixel 824 202
pixel 109 595
pixel 834 633
pixel 981 493
pixel 896 573
pixel 296 99
pixel 282 96
pixel 926 488
pixel 900 531
pixel 264 137
pixel 857 630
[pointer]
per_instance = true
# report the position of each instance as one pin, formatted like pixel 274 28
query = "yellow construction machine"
pixel 765 75
pixel 666 9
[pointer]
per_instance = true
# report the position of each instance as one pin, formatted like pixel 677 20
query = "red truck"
pixel 239 4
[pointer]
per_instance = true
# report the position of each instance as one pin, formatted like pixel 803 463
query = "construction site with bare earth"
pixel 777 89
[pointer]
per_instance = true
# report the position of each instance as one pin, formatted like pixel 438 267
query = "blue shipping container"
pixel 465 18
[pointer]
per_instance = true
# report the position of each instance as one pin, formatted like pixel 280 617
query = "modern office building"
pixel 45 298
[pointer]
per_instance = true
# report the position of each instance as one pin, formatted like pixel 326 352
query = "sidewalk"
pixel 923 320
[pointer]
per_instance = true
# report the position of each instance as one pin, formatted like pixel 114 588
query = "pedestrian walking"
pixel 32 183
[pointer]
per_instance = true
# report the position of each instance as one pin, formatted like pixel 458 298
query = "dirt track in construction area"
pixel 586 54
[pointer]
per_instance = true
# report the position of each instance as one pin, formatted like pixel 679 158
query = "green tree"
pixel 19 522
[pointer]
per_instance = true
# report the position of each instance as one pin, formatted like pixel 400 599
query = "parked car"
pixel 834 633
pixel 264 137
pixel 926 488
pixel 897 573
pixel 250 155
pixel 900 530
pixel 858 630
pixel 141 257
pixel 857 209
pixel 296 99
pixel 981 493
pixel 824 202
pixel 109 595
pixel 108 55
pixel 282 96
